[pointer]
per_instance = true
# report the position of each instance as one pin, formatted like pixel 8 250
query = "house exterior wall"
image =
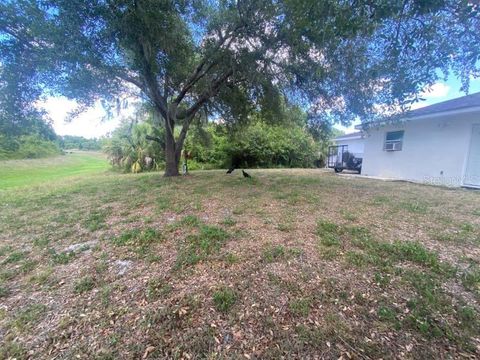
pixel 435 150
pixel 355 146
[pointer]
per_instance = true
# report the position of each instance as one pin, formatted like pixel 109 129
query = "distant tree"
pixel 343 59
pixel 79 142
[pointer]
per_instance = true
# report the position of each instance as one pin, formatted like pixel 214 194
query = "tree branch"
pixel 183 133
pixel 156 139
pixel 206 95
pixel 134 81
pixel 198 74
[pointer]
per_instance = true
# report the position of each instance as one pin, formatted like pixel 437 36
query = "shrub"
pixel 27 147
pixel 34 147
pixel 129 149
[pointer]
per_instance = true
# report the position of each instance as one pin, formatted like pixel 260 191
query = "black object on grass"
pixel 245 174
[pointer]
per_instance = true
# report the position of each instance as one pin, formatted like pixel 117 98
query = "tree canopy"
pixel 338 59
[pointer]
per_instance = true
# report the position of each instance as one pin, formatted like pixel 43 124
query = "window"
pixel 393 141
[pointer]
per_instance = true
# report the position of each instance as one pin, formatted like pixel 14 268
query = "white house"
pixel 355 143
pixel 438 144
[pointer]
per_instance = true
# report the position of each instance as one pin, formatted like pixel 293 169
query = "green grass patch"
pixel 380 200
pixel 329 253
pixel 333 235
pixel 4 292
pixel 42 277
pixel 231 259
pixel 11 349
pixel 224 299
pixel 157 288
pixel 382 279
pixel 359 259
pixel 33 172
pixel 189 221
pixel 274 253
pixel 414 207
pixel 430 301
pixel 471 279
pixel 229 221
pixel 349 216
pixel 6 275
pixel 199 246
pixel 41 242
pixel 285 227
pixel 387 313
pixel 62 258
pixel 329 233
pixel 300 306
pixel 84 284
pixel 26 317
pixel 138 240
pixel 28 265
pixel 96 219
pixel 463 232
pixel 163 203
pixel 4 250
pixel 14 257
pixel 385 254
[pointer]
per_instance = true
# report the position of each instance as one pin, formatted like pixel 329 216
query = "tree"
pixel 128 146
pixel 342 59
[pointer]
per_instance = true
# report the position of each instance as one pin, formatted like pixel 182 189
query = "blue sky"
pixel 90 124
pixel 441 91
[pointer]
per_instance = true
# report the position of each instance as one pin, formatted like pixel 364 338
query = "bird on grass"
pixel 229 171
pixel 245 174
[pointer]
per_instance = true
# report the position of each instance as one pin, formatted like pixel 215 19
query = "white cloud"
pixel 437 90
pixel 433 94
pixel 89 124
pixel 348 129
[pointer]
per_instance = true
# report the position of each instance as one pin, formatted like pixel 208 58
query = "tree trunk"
pixel 171 158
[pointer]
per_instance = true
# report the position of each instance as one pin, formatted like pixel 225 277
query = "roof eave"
pixel 421 117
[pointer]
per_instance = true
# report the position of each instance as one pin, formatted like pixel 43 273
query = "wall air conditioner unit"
pixel 392 146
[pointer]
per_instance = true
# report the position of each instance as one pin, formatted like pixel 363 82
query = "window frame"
pixel 399 141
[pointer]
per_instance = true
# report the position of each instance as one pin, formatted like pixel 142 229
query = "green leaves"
pixel 340 61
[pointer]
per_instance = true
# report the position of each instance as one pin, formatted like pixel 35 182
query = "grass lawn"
pixel 292 264
pixel 15 173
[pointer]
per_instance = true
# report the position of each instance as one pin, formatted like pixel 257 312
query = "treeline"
pixel 30 139
pixel 27 147
pixel 68 142
pixel 136 146
pixel 41 141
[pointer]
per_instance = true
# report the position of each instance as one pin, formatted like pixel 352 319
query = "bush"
pixel 27 147
pixel 216 145
pixel 129 149
pixel 256 145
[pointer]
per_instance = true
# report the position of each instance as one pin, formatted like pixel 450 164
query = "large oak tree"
pixel 340 59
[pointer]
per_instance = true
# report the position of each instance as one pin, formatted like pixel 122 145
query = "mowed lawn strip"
pixel 15 173
pixel 292 263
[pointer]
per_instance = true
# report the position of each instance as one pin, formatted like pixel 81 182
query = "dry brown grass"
pixel 293 264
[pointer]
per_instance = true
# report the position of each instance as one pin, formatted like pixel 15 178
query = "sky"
pixel 91 123
pixel 440 91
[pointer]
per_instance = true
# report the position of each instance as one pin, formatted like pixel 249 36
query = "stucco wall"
pixel 434 150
